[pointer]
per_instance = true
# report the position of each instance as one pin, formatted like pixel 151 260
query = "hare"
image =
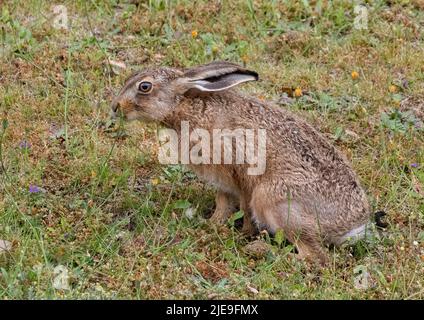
pixel 308 189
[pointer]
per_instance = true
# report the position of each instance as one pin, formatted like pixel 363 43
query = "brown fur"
pixel 308 189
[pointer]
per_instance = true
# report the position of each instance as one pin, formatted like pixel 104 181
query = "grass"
pixel 110 222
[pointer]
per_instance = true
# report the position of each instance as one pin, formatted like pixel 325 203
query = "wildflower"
pixel 194 34
pixel 414 165
pixel 298 92
pixel 34 189
pixel 355 75
pixel 405 83
pixel 24 145
pixel 415 243
pixel 215 49
pixel 190 212
pixel 245 58
pixel 155 181
pixel 392 88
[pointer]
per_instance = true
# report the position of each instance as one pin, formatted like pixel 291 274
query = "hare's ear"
pixel 216 76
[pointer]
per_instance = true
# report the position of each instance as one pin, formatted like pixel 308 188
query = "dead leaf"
pixel 257 248
pixel 362 278
pixel 418 188
pixel 285 100
pixel 252 289
pixel 158 57
pixel 5 245
pixel 289 91
pixel 361 281
pixel 61 281
pixel 117 66
pixel 352 134
pixel 213 272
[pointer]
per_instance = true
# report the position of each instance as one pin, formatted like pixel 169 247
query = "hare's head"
pixel 153 94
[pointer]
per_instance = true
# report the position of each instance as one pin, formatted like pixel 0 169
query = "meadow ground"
pixel 86 211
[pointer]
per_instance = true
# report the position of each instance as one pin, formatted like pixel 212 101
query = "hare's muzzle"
pixel 114 109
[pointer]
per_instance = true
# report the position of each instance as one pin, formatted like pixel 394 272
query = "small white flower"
pixel 190 212
pixel 121 235
pixel 415 243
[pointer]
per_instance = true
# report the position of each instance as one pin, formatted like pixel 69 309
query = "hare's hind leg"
pixel 299 228
pixel 225 205
pixel 311 251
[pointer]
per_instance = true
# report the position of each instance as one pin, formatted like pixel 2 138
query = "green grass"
pixel 115 218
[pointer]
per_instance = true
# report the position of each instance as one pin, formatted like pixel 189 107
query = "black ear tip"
pixel 378 216
pixel 252 73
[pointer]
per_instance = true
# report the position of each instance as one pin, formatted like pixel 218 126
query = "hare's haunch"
pixel 307 188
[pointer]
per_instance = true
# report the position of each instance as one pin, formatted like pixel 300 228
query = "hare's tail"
pixel 364 231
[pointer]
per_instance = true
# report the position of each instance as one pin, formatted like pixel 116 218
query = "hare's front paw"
pixel 220 216
pixel 225 206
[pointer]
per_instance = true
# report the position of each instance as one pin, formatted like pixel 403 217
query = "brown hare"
pixel 308 189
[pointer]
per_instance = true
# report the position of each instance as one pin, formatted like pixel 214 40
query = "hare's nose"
pixel 115 108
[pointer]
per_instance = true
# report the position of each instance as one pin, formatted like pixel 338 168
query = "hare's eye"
pixel 145 87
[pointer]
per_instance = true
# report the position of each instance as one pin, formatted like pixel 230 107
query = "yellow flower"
pixel 194 34
pixel 355 75
pixel 93 174
pixel 245 58
pixel 298 92
pixel 215 49
pixel 392 88
pixel 155 181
